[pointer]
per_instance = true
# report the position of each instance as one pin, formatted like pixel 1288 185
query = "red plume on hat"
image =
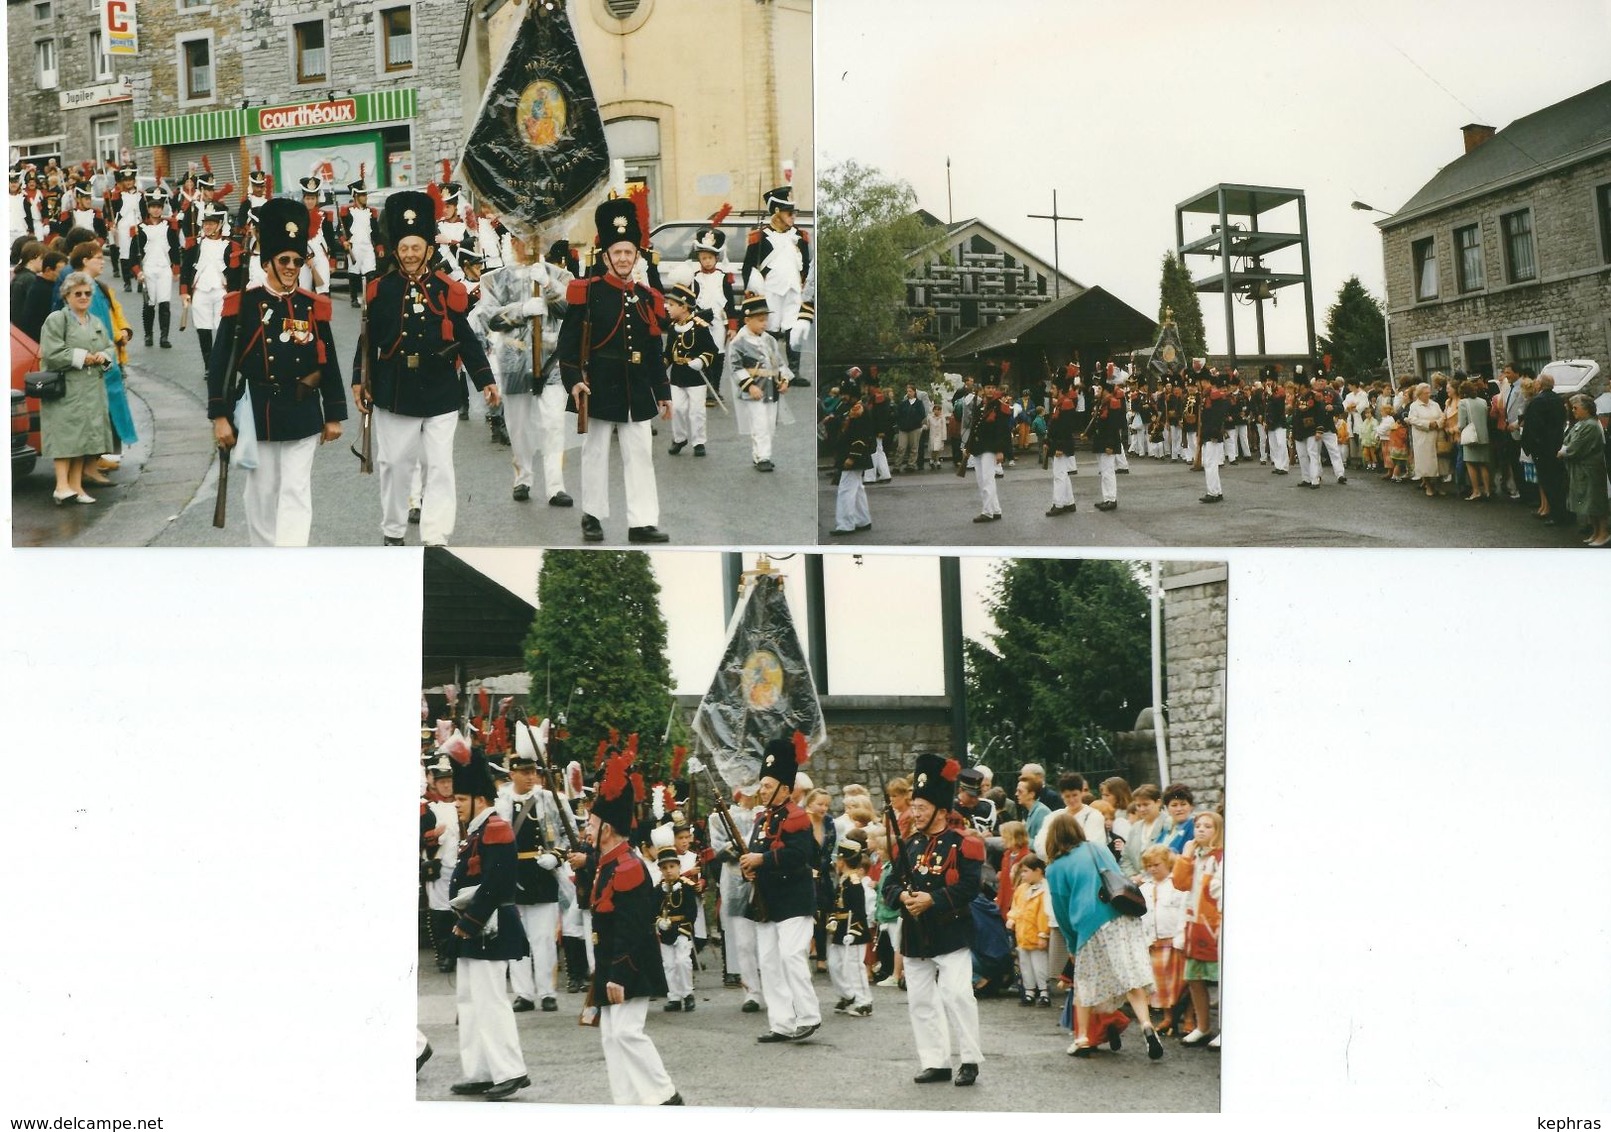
pixel 678 754
pixel 950 770
pixel 637 784
pixel 498 740
pixel 720 214
pixel 639 195
pixel 802 749
pixel 483 700
pixel 457 748
pixel 615 776
pixel 604 747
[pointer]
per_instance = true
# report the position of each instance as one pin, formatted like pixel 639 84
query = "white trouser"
pixel 1175 440
pixel 893 931
pixel 850 505
pixel 939 997
pixel 1309 459
pixel 279 493
pixel 1062 486
pixel 1107 469
pixel 541 921
pixel 637 1075
pixel 637 471
pixel 1121 460
pixel 577 923
pixel 1155 448
pixel 520 414
pixel 1333 453
pixel 678 961
pixel 849 973
pixel 206 309
pixel 158 284
pixel 1032 970
pixel 1243 440
pixel 1213 457
pixel 985 473
pixel 551 421
pixel 786 974
pixel 1138 437
pixel 401 444
pixel 1264 442
pixel 738 935
pixel 688 414
pixel 880 469
pixel 763 416
pixel 489 1045
pixel 1277 440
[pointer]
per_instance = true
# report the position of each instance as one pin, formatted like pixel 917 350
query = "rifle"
pixel 571 839
pixel 695 764
pixel 902 868
pixel 232 392
pixel 586 351
pixel 365 447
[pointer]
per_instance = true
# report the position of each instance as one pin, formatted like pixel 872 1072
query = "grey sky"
pixel 1126 114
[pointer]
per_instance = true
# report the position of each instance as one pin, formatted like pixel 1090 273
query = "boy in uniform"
pixel 761 374
pixel 675 925
pixel 203 277
pixel 690 358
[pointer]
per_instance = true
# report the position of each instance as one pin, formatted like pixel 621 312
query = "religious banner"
pixel 1168 355
pixel 762 689
pixel 536 153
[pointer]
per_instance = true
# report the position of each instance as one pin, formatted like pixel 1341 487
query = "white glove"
pixel 547 861
pixel 534 307
pixel 697 365
pixel 663 924
pixel 798 335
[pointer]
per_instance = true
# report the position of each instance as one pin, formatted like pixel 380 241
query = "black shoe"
pixel 575 988
pixel 981 518
pixel 469 1088
pixel 763 465
pixel 165 344
pixel 772 1036
pixel 730 980
pixel 464 413
pixel 930 1076
pixel 676 1098
pixel 1342 479
pixel 677 446
pixel 550 1005
pixel 387 540
pixel 688 1004
pixel 560 499
pixel 804 1032
pixel 444 965
pixel 507 1088
pixel 424 1056
pixel 1121 471
pixel 647 534
pixel 414 516
pixel 967 1074
pixel 1278 471
pixel 673 1007
pixel 521 1005
pixel 522 493
pixel 1212 499
pixel 1115 1042
pixel 750 1006
pixel 592 529
pixel 148 341
pixel 1154 1046
pixel 699 450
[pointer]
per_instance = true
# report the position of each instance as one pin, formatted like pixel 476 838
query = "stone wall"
pixel 157 76
pixel 1570 296
pixel 1194 611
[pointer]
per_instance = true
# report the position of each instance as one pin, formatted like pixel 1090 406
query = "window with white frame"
pixel 1432 359
pixel 106 139
pixel 308 45
pixel 45 63
pixel 196 68
pixel 1517 229
pixel 397 38
pixel 1424 257
pixel 1468 257
pixel 100 59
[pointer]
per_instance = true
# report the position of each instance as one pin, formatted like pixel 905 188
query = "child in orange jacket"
pixel 1030 922
pixel 1200 873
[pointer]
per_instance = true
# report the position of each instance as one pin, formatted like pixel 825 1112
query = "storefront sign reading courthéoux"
pixel 304 116
pixel 98 95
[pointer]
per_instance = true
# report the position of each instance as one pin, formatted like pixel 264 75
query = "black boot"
pixel 205 337
pixel 164 313
pixel 148 319
pixel 355 283
pixel 575 964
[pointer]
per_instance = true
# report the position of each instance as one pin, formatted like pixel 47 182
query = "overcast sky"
pixel 1126 117
pixel 883 613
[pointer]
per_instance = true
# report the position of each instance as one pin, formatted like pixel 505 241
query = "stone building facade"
pixel 67 97
pixel 1194 612
pixel 1504 257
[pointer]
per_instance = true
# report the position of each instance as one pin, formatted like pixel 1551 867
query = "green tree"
pixel 1178 299
pixel 867 225
pixel 1356 332
pixel 598 640
pixel 1071 659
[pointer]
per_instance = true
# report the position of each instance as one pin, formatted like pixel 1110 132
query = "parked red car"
pixel 25 445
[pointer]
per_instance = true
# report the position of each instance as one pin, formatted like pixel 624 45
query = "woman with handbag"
pixel 1584 453
pixel 75 427
pixel 1111 962
pixel 1425 421
pixel 1475 439
pixel 1200 873
pixel 89 256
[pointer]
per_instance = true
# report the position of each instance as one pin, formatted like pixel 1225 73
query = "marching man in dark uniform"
pixel 291 377
pixel 989 443
pixel 940 869
pixel 779 862
pixel 488 932
pixel 419 335
pixel 1061 441
pixel 626 955
pixel 610 358
pixel 1216 409
pixel 1107 428
pixel 1275 426
pixel 533 812
pixel 853 455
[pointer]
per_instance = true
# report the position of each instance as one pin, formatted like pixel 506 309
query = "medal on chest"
pixel 296 330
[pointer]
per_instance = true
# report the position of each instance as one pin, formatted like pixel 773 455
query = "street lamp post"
pixel 1387 317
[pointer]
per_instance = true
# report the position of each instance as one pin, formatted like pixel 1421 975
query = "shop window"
pixel 307 41
pixel 397 38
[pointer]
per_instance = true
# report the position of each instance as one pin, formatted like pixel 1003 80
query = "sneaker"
pixel 889 982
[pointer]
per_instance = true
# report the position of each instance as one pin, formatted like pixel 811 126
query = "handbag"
pixel 46 385
pixel 1468 435
pixel 1445 442
pixel 1118 891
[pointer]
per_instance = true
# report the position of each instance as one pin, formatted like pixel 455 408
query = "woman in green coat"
pixel 75 427
pixel 1584 453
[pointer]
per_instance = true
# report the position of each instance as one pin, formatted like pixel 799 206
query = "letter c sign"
pixel 116 20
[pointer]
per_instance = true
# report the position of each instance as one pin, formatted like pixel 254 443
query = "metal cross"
pixel 1057 269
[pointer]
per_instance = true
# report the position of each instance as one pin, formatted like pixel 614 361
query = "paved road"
pixel 163 495
pixel 850 1063
pixel 1158 506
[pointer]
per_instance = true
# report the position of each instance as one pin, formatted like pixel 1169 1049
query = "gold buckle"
pixel 413 361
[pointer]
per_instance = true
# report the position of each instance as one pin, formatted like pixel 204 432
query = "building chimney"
pixel 1475 135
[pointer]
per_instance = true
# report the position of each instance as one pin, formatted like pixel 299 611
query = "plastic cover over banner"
pixel 762 689
pixel 537 150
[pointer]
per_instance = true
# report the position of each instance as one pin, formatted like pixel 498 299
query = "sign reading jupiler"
pixel 119 91
pixel 307 115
